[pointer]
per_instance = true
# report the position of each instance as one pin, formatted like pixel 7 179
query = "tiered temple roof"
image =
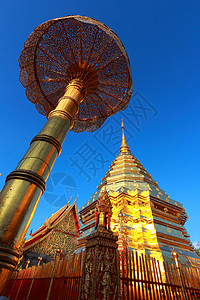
pixel 151 221
pixel 60 230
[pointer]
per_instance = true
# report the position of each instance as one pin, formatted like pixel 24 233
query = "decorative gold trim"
pixel 48 139
pixel 8 257
pixel 29 176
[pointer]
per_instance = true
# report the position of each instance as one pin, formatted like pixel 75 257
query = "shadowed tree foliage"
pixel 197 249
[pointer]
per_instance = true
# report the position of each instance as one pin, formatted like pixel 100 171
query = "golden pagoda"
pixel 145 218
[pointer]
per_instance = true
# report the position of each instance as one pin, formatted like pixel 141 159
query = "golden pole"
pixel 25 185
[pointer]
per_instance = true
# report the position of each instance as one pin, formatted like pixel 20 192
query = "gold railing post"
pixel 175 257
pixel 58 250
pixel 25 185
pixel 32 281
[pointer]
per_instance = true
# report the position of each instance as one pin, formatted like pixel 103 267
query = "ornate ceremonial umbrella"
pixel 77 73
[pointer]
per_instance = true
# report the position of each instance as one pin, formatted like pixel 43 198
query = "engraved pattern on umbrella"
pixel 62 49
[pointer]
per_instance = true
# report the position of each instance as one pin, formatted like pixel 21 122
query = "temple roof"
pixel 127 174
pixel 51 223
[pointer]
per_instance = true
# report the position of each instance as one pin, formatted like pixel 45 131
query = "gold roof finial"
pixel 124 148
pixel 122 126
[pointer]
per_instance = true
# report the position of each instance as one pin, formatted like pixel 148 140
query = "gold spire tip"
pixel 124 146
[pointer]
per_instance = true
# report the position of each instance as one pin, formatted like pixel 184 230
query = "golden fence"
pixel 58 279
pixel 143 277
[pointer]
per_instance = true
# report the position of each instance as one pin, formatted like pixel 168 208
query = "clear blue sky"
pixel 162 39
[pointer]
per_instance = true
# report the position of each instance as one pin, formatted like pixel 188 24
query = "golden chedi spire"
pixel 124 148
pixel 152 222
